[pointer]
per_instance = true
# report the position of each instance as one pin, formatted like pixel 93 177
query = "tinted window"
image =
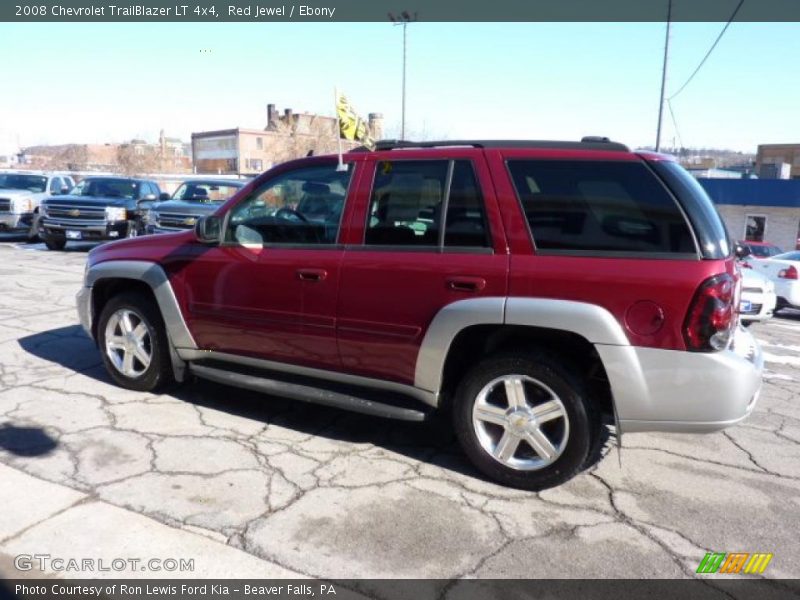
pixel 108 188
pixel 405 207
pixel 408 198
pixel 709 227
pixel 788 256
pixel 299 207
pixel 32 183
pixel 587 206
pixel 204 191
pixel 56 184
pixel 466 218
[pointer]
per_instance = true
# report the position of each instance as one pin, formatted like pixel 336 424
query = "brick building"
pixel 244 151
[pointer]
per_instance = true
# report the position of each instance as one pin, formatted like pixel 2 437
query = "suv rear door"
pixel 400 268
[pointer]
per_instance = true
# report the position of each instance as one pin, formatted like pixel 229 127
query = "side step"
pixel 307 393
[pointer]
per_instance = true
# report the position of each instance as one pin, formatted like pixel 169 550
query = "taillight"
pixel 712 315
pixel 788 273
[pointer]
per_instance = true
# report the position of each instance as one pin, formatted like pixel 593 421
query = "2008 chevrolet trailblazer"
pixel 525 288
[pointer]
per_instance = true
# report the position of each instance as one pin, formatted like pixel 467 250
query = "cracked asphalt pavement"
pixel 255 486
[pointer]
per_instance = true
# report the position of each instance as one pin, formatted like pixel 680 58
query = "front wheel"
pixel 525 420
pixel 55 242
pixel 133 343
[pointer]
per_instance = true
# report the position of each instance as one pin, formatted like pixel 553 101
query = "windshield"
pixel 764 251
pixel 200 191
pixel 107 188
pixel 33 183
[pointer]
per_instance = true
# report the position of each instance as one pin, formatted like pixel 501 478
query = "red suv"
pixel 523 288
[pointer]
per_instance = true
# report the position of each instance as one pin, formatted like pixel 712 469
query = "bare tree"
pixel 302 134
pixel 138 159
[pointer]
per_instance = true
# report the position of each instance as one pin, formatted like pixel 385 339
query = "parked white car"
pixel 758 296
pixel 21 193
pixel 784 271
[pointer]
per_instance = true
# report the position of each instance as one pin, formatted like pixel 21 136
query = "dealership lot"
pixel 280 488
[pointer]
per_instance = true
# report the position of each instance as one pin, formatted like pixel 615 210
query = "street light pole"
pixel 403 19
pixel 663 77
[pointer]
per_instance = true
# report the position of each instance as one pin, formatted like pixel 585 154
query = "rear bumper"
pixel 763 305
pixel 789 291
pixel 680 391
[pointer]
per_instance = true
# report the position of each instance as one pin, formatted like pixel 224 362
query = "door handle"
pixel 312 274
pixel 466 284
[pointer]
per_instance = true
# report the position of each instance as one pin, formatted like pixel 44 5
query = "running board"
pixel 307 393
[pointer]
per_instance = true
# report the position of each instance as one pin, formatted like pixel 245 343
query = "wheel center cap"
pixel 519 420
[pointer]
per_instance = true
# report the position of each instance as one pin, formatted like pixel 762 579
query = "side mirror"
pixel 164 196
pixel 65 190
pixel 148 198
pixel 208 229
pixel 741 251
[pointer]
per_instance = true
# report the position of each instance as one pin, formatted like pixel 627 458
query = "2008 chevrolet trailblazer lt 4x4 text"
pixel 525 288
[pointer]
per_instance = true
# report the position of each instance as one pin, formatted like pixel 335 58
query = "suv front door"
pixel 269 289
pixel 404 261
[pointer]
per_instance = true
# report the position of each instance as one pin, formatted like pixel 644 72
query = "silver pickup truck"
pixel 21 194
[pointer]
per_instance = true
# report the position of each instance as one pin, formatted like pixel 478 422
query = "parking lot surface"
pixel 279 488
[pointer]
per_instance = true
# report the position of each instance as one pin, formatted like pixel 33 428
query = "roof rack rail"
pixel 586 143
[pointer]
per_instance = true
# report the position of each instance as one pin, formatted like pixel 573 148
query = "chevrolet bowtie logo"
pixel 74 213
pixel 189 220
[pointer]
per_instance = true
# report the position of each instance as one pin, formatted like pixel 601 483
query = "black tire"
pixel 135 229
pixel 55 242
pixel 158 374
pixel 584 424
pixel 33 232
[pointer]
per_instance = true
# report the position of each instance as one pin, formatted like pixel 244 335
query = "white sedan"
pixel 758 296
pixel 784 271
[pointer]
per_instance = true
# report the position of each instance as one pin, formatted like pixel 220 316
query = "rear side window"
pixel 410 197
pixel 598 207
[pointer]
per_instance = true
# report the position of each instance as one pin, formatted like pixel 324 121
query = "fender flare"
pixel 592 322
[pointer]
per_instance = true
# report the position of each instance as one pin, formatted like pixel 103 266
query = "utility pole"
pixel 663 76
pixel 403 19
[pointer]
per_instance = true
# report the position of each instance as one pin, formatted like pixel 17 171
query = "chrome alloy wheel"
pixel 520 422
pixel 129 343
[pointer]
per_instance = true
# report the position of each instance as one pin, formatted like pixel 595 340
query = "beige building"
pixel 778 161
pixel 289 135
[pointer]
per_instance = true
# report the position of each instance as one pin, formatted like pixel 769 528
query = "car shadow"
pixel 432 442
pixel 788 314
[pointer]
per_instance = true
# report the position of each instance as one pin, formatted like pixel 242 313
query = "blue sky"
pixel 110 82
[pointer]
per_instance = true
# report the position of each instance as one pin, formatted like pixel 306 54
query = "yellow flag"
pixel 351 126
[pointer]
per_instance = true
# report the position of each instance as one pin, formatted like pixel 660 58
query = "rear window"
pixel 599 207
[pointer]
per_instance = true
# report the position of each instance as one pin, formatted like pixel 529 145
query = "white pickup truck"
pixel 21 193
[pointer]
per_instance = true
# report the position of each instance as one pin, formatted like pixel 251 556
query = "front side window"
pixel 589 207
pixel 299 207
pixel 755 227
pixel 409 198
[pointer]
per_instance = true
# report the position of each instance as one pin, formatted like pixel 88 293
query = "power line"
pixel 674 123
pixel 710 50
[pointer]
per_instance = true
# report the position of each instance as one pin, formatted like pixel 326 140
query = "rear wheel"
pixel 133 343
pixel 55 242
pixel 525 420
